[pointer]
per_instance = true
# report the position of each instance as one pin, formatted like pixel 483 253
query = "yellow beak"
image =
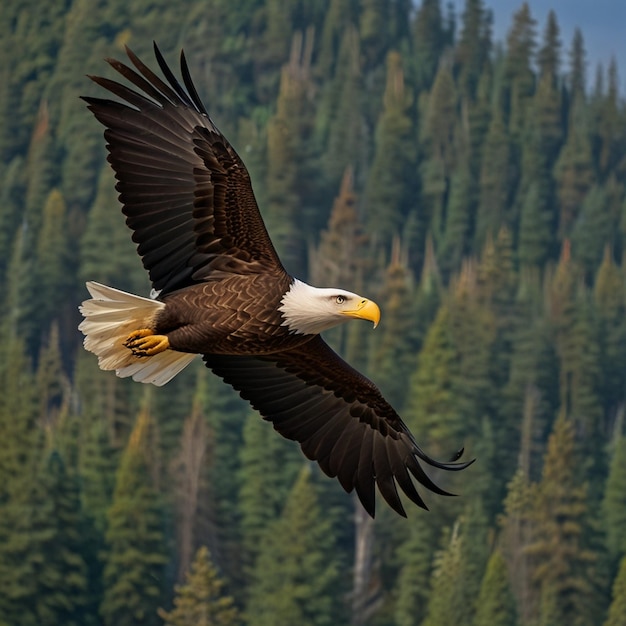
pixel 366 310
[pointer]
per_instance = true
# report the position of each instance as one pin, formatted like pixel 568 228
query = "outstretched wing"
pixel 185 192
pixel 338 416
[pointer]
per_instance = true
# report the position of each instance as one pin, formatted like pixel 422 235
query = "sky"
pixel 602 23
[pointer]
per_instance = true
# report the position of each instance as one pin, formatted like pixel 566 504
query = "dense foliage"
pixel 475 188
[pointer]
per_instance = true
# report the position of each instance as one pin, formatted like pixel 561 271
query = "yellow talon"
pixel 144 342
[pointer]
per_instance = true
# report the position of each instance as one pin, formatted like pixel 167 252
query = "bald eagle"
pixel 220 290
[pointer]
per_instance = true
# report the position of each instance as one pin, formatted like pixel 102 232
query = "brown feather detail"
pixel 185 192
pixel 312 396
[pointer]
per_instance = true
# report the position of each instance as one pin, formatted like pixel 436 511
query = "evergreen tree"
pixel 563 566
pixel 609 300
pixel 474 46
pixel 516 528
pixel 548 57
pixel 390 190
pixel 609 137
pixel 535 228
pixel 394 354
pixel 519 76
pixel 446 603
pixel 20 495
pixel 613 505
pixel 450 388
pixel 617 610
pixel 135 553
pixel 429 40
pixel 296 577
pixel 189 472
pixel 107 253
pixel 287 134
pixel 573 172
pixel 495 603
pixel 495 182
pixel 438 128
pixel 415 556
pixel 40 169
pixel 200 601
pixel 374 29
pixel 269 466
pixel 58 563
pixel 595 228
pixel 459 211
pixel 53 256
pixel 340 120
pixel 337 20
pixel 578 69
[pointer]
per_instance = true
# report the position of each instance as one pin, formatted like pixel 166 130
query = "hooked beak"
pixel 366 310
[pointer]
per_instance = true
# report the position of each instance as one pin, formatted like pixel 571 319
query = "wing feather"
pixel 174 167
pixel 339 418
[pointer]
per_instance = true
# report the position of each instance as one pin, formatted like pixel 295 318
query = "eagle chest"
pixel 228 317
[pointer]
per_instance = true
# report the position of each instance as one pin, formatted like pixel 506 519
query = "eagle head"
pixel 310 310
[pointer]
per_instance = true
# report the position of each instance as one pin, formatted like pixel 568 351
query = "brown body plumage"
pixel 220 290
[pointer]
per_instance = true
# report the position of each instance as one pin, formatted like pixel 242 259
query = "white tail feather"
pixel 110 316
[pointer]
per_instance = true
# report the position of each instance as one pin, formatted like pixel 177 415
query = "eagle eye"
pixel 340 299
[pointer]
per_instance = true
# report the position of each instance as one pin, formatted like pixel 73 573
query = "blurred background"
pixel 462 164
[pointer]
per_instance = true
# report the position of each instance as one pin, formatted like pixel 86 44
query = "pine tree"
pixel 536 228
pixel 57 557
pixel 269 466
pixel 188 469
pixel 449 392
pixel 135 553
pixel 429 40
pixel 415 556
pixel 548 57
pixel 459 211
pixel 296 577
pixel 516 528
pixel 609 137
pixel 374 30
pixel 573 171
pixel 613 505
pixel 609 299
pixel 578 70
pixel 337 20
pixel 390 190
pixel 340 124
pixel 200 601
pixel 473 47
pixel 446 604
pixel 519 75
pixel 562 563
pixel 40 165
pixel 16 569
pixel 595 228
pixel 495 603
pixel 617 610
pixel 107 253
pixel 287 134
pixel 440 149
pixel 495 181
pixel 53 262
pixel 394 354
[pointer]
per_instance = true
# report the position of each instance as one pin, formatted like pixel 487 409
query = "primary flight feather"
pixel 220 290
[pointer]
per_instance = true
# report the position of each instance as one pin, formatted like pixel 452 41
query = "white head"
pixel 309 310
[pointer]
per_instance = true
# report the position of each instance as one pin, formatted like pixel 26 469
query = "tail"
pixel 110 316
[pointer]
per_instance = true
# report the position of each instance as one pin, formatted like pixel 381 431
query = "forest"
pixel 475 188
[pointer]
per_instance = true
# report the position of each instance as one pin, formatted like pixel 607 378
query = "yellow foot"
pixel 144 342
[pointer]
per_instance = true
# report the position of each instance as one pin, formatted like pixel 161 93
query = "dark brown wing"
pixel 339 418
pixel 185 192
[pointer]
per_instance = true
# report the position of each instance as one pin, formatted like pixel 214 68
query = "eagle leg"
pixel 144 342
